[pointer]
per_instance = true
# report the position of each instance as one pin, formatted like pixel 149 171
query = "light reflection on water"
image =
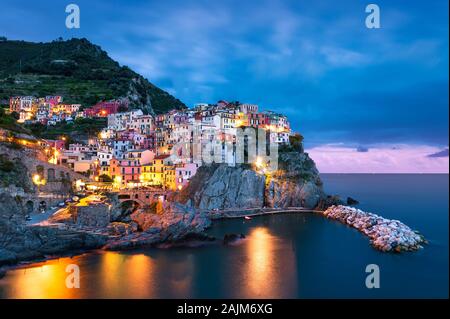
pixel 283 256
pixel 264 261
pixel 250 269
pixel 43 281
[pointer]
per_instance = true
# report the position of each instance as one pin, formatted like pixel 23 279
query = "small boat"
pixel 247 217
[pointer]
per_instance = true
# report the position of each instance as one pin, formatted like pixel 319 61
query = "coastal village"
pixel 132 184
pixel 134 150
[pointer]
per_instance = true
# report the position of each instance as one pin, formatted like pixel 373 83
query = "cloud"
pixel 443 153
pixel 362 149
pixel 314 61
pixel 380 159
pixel 341 57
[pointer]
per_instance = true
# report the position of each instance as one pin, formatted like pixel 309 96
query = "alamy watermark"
pixel 373 279
pixel 73 279
pixel 73 19
pixel 244 145
pixel 373 19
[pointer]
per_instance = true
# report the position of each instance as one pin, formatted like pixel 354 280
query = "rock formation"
pixel 176 223
pixel 21 242
pixel 223 187
pixel 296 183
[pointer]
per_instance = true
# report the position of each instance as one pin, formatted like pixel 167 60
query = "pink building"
pixel 129 170
pixel 126 135
pixel 183 174
pixel 53 100
pixel 258 120
pixel 58 144
pixel 149 142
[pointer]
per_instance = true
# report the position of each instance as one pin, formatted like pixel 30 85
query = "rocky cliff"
pixel 296 183
pixel 223 187
pixel 178 222
pixel 21 242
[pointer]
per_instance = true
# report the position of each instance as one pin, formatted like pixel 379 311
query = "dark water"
pixel 283 256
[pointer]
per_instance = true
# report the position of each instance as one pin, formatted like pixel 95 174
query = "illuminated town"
pixel 135 149
pixel 244 151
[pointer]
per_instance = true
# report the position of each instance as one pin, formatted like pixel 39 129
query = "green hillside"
pixel 78 70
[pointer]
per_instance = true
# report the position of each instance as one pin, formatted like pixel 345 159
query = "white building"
pixel 122 121
pixel 78 148
pixel 248 108
pixel 104 157
pixel 121 146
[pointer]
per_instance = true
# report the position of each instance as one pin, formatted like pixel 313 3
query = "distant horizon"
pixel 330 173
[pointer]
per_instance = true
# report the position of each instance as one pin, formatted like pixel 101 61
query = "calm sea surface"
pixel 283 256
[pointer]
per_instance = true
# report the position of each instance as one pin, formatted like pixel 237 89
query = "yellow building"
pixel 169 177
pixel 150 177
pixel 154 172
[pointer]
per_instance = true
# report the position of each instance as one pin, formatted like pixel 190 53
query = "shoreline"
pixel 276 212
pixel 204 237
pixel 78 252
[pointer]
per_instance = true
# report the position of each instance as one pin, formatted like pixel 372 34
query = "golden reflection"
pixel 141 276
pixel 260 263
pixel 110 264
pixel 45 281
pixel 270 271
pixel 132 273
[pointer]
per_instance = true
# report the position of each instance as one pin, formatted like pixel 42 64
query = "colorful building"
pixel 184 173
pixel 103 109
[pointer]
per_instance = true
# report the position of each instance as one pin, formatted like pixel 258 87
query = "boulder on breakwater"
pixel 385 234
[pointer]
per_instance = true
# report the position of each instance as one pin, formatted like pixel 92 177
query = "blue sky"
pixel 341 84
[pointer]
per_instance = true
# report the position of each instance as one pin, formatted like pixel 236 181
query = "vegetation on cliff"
pixel 13 172
pixel 79 129
pixel 8 122
pixel 78 70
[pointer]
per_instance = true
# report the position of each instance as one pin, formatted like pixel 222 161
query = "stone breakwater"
pixel 385 234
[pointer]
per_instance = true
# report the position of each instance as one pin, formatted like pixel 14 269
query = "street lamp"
pixel 38 181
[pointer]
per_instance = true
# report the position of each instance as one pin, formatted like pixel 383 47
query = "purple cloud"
pixel 380 159
pixel 443 153
pixel 362 149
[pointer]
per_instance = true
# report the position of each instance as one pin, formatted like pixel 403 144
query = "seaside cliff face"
pixel 21 242
pixel 296 183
